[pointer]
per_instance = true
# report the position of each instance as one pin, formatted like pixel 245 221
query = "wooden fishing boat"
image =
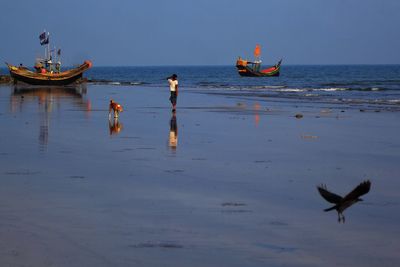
pixel 22 74
pixel 48 69
pixel 253 68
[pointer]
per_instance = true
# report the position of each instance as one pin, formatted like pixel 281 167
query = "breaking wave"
pixel 111 82
pixel 322 89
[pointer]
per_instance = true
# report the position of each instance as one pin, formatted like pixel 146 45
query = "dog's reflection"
pixel 173 132
pixel 115 126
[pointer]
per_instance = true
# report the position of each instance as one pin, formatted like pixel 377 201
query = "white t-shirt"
pixel 172 85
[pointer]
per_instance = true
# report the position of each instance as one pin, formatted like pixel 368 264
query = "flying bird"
pixel 342 203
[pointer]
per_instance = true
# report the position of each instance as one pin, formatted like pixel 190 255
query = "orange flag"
pixel 257 51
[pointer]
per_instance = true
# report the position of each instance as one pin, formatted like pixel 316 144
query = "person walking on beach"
pixel 173 88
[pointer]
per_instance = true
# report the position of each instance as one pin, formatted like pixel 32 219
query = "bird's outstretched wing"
pixel 360 190
pixel 329 196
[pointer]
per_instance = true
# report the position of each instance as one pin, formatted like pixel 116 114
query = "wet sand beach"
pixel 229 180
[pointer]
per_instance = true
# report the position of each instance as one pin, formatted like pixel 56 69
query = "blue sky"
pixel 206 32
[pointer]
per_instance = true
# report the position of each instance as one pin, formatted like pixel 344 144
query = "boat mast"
pixel 45 49
pixel 48 47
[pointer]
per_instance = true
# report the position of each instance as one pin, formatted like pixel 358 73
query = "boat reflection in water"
pixel 256 109
pixel 173 133
pixel 48 100
pixel 114 125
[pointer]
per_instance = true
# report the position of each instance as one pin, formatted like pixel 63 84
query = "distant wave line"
pixel 275 88
pixel 111 82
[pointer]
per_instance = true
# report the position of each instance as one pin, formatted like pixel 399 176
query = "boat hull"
pixel 47 82
pixel 252 71
pixel 22 75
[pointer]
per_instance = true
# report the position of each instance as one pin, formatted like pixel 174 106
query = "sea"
pixel 359 85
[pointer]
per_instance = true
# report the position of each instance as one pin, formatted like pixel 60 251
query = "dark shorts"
pixel 173 98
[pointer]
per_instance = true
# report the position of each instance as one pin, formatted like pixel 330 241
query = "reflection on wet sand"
pixel 342 203
pixel 257 108
pixel 114 125
pixel 47 98
pixel 173 133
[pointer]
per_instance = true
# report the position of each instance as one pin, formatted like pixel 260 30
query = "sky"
pixel 202 32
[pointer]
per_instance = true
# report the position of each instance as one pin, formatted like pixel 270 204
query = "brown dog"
pixel 115 107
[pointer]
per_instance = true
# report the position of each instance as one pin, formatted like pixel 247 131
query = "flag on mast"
pixel 44 38
pixel 257 51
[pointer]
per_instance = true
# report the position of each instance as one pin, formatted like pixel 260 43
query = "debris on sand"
pixel 232 204
pixel 299 116
pixel 5 79
pixel 306 136
pixel 168 245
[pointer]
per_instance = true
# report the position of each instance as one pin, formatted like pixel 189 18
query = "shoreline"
pixel 262 95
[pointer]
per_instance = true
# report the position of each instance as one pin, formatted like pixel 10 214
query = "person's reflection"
pixel 115 126
pixel 173 133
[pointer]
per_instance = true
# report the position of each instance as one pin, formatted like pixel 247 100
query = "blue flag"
pixel 44 38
